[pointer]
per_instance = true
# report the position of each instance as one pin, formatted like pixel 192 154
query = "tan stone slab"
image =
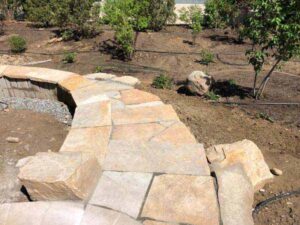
pixel 129 80
pixel 177 134
pixel 2 68
pixel 99 88
pixel 235 194
pixel 17 72
pixel 135 96
pixel 100 216
pixel 243 152
pixel 43 213
pixel 60 176
pixel 100 76
pixel 91 140
pixel 123 192
pixel 156 157
pixel 136 132
pixel 4 210
pixel 96 114
pixel 75 82
pixel 144 115
pixel 152 222
pixel 182 199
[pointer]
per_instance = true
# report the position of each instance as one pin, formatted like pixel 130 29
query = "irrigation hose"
pixel 258 103
pixel 273 199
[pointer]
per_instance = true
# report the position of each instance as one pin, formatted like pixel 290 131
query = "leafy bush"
pixel 69 57
pixel 193 16
pixel 98 69
pixel 39 11
pixel 162 82
pixel 207 57
pixel 274 29
pixel 17 44
pixel 211 95
pixel 67 35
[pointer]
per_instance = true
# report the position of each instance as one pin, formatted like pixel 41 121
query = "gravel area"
pixel 57 109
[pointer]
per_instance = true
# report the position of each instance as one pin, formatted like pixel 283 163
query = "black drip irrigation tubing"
pixel 260 103
pixel 273 199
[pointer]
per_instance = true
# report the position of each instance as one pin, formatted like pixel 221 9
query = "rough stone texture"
pixel 132 81
pixel 177 134
pixel 235 193
pixel 99 88
pixel 182 199
pixel 41 213
pixel 92 115
pixel 92 140
pixel 60 176
pixel 136 132
pixel 156 157
pixel 122 192
pixel 99 216
pixel 100 76
pixel 75 82
pixel 135 96
pixel 2 68
pixel 152 222
pixel 246 153
pixel 199 83
pixel 144 115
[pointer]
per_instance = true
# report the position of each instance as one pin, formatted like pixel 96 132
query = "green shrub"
pixel 162 82
pixel 211 95
pixel 17 44
pixel 98 69
pixel 207 57
pixel 39 11
pixel 69 57
pixel 193 16
pixel 67 35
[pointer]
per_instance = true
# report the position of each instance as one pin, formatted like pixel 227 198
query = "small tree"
pixel 193 16
pixel 274 29
pixel 39 11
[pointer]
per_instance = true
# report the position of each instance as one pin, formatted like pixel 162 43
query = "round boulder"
pixel 199 83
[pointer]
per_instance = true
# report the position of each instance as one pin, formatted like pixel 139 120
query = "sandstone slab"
pixel 235 194
pixel 122 192
pixel 16 72
pixel 177 134
pixel 144 115
pixel 99 88
pixel 100 216
pixel 152 222
pixel 60 176
pixel 136 132
pixel 92 115
pixel 243 152
pixel 100 76
pixel 129 80
pixel 90 140
pixel 42 213
pixel 74 82
pixel 2 68
pixel 156 157
pixel 182 199
pixel 135 96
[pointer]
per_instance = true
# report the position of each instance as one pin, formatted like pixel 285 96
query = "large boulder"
pixel 199 83
pixel 243 152
pixel 59 176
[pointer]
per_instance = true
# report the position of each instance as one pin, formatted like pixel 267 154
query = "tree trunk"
pixel 254 84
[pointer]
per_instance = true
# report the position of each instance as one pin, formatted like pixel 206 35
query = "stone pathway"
pixel 128 160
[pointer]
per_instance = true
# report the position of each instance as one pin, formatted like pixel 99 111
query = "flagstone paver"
pixel 152 222
pixel 136 132
pixel 144 115
pixel 92 115
pixel 129 80
pixel 122 192
pixel 92 140
pixel 75 82
pixel 100 216
pixel 135 96
pixel 182 199
pixel 100 76
pixel 156 157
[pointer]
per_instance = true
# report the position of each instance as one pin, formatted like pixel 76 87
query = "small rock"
pixel 262 190
pixel 6 110
pixel 276 172
pixel 13 140
pixel 199 83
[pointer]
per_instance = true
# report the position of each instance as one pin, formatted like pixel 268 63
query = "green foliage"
pixel 39 11
pixel 274 29
pixel 124 37
pixel 162 82
pixel 67 35
pixel 211 95
pixel 69 57
pixel 98 69
pixel 193 16
pixel 265 116
pixel 207 57
pixel 17 44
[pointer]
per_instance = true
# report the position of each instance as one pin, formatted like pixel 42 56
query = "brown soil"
pixel 211 123
pixel 37 133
